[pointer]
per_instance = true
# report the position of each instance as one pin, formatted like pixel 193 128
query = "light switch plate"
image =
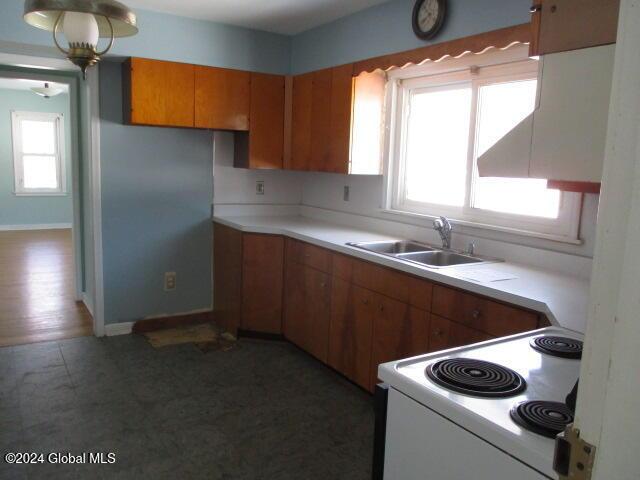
pixel 346 194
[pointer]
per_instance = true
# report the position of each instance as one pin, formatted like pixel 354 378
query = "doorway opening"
pixel 40 289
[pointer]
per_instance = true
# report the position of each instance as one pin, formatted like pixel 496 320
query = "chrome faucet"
pixel 443 227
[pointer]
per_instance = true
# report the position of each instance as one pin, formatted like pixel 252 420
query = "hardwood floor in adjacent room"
pixel 37 299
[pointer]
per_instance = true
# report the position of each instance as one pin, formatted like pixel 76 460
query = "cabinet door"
pixel 266 123
pixel 158 93
pixel 321 121
pixel 399 331
pixel 341 115
pixel 573 24
pixel 446 334
pixel 307 309
pixel 350 332
pixel 222 98
pixel 481 314
pixel 317 312
pixel 262 280
pixel 301 121
pixel 227 276
pixel 293 323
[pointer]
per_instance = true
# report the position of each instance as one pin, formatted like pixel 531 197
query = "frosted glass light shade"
pixel 81 28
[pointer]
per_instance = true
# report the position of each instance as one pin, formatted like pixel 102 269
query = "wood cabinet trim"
pixel 500 38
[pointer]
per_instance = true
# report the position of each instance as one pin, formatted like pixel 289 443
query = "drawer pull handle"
pixel 476 314
pixel 438 333
pixel 382 308
pixel 323 284
pixel 535 8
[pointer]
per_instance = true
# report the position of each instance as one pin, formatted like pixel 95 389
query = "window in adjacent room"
pixel 38 153
pixel 443 120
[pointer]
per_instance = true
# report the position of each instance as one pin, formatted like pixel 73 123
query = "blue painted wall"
pixel 167 37
pixel 386 28
pixel 156 183
pixel 156 197
pixel 24 210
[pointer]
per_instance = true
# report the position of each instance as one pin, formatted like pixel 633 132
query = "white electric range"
pixel 449 414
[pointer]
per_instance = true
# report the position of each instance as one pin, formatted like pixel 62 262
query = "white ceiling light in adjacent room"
pixel 83 23
pixel 47 91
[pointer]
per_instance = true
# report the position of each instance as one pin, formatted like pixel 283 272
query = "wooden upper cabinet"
pixel 337 121
pixel 222 98
pixel 266 124
pixel 301 121
pixel 563 25
pixel 341 119
pixel 158 93
pixel 321 130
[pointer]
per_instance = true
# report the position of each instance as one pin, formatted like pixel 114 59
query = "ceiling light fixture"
pixel 47 91
pixel 83 22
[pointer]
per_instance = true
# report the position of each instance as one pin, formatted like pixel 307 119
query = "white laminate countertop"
pixel 562 298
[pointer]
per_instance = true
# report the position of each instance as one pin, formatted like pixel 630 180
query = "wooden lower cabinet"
pixel 349 314
pixel 307 309
pixel 352 312
pixel 227 276
pixel 262 283
pixel 478 313
pixel 399 331
pixel 445 334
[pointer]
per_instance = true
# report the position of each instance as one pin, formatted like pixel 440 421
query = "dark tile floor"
pixel 261 411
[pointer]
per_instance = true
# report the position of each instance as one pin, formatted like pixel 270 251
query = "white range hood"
pixel 564 138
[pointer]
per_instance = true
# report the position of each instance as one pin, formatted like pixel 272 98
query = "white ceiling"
pixel 24 84
pixel 281 16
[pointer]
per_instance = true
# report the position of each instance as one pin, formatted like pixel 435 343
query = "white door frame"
pixel 607 409
pixel 95 304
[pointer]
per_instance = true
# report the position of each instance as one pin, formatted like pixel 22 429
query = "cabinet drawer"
pixel 481 314
pixel 444 334
pixel 397 285
pixel 309 255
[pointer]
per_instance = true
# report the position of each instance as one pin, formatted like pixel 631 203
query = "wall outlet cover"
pixel 170 281
pixel 260 187
pixel 346 193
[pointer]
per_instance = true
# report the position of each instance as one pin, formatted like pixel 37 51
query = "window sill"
pixel 40 194
pixel 484 226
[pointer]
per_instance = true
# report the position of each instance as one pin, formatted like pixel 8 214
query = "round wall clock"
pixel 428 17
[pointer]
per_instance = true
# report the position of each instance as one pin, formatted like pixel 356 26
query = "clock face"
pixel 428 16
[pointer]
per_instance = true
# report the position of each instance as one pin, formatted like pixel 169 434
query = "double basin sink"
pixel 419 253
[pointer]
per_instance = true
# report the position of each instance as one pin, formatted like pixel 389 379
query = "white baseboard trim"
pixel 114 329
pixel 41 226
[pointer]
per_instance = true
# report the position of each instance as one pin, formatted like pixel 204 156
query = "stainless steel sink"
pixel 420 253
pixel 393 247
pixel 439 259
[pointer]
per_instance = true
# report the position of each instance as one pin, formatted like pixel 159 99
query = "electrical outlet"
pixel 346 193
pixel 260 187
pixel 169 281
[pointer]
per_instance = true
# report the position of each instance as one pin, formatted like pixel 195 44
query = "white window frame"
pixel 18 154
pixel 510 64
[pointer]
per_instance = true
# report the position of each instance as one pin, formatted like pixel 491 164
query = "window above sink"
pixel 443 116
